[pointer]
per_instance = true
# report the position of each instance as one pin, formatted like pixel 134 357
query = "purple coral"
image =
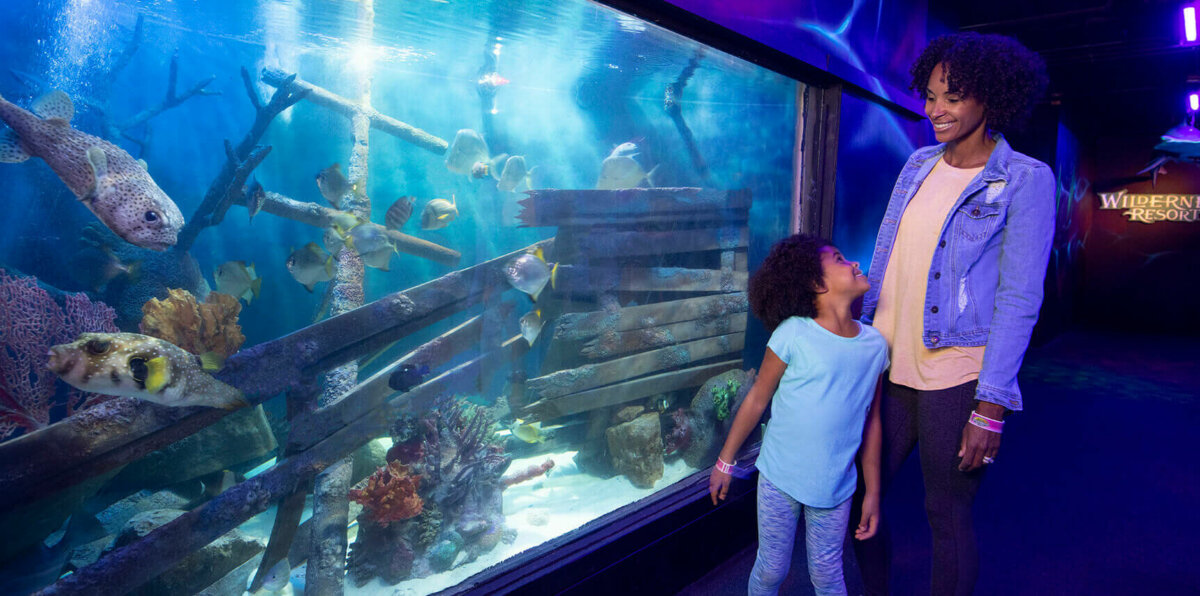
pixel 30 322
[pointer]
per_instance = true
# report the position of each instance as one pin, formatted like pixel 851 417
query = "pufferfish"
pixel 134 365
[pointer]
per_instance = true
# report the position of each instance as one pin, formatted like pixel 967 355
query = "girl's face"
pixel 841 276
pixel 954 117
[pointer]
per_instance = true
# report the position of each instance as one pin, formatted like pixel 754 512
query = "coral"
pixel 379 551
pixel 406 453
pixel 428 526
pixel 30 322
pixel 680 436
pixel 723 397
pixel 195 327
pixel 528 473
pixel 390 494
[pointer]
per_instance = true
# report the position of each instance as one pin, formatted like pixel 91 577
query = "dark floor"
pixel 1095 491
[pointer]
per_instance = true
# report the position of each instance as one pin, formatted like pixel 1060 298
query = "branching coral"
pixel 390 494
pixel 197 328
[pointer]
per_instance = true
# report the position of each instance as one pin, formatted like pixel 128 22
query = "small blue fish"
pixel 407 376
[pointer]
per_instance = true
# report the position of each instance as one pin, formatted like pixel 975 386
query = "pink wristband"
pixel 723 467
pixel 996 426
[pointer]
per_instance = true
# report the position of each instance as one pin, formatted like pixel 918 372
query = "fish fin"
pixel 11 150
pixel 99 162
pixel 212 361
pixel 142 162
pixel 134 271
pixel 156 374
pixel 496 165
pixel 54 105
pixel 238 401
pixel 554 277
pixel 650 176
pixel 309 286
pixel 256 286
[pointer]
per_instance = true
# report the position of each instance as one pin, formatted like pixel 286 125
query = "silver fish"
pixel 399 213
pixel 531 325
pixel 513 175
pixel 106 179
pixel 134 365
pixel 236 278
pixel 255 197
pixel 530 273
pixel 467 149
pixel 310 265
pixel 334 185
pixel 622 171
pixel 277 577
pixel 439 213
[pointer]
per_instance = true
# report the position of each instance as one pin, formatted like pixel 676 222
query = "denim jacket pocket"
pixel 976 221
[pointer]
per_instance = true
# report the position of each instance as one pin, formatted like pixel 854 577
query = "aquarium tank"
pixel 364 296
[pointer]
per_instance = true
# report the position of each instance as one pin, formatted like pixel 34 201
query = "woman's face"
pixel 954 117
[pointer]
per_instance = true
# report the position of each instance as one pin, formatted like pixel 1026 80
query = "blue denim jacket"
pixel 985 280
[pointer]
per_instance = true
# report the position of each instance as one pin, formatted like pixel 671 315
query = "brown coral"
pixel 197 328
pixel 390 494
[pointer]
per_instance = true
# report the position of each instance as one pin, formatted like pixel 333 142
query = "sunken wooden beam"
pixel 625 243
pixel 348 108
pixel 590 324
pixel 608 345
pixel 124 429
pixel 620 393
pixel 590 376
pixel 552 207
pixel 583 279
pixel 320 216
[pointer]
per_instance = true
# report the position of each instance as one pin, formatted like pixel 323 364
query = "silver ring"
pixel 989 460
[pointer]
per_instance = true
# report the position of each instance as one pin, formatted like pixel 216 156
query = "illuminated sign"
pixel 1152 208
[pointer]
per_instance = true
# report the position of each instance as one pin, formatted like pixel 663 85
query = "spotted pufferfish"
pixel 134 365
pixel 105 178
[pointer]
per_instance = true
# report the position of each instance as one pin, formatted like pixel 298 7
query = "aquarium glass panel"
pixel 431 283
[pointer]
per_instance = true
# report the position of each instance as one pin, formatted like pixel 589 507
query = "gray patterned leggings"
pixel 824 534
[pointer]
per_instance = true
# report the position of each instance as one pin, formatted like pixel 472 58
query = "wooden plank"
pixel 543 207
pixel 350 108
pixel 590 376
pixel 620 243
pixel 548 409
pixel 736 218
pixel 609 345
pixel 121 430
pixel 590 324
pixel 582 279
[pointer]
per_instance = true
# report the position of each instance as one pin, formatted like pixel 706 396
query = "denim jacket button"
pixel 933 310
pixel 975 211
pixel 933 339
pixel 942 244
pixel 937 275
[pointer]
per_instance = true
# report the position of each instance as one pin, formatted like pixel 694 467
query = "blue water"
pixel 582 79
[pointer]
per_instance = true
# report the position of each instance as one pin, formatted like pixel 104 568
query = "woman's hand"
pixel 718 484
pixel 979 443
pixel 870 517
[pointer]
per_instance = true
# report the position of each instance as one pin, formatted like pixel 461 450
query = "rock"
pixel 627 413
pixel 242 436
pixel 113 518
pixel 443 554
pixel 537 517
pixel 704 443
pixel 734 385
pixel 85 554
pixel 199 569
pixel 28 525
pixel 636 449
pixel 368 458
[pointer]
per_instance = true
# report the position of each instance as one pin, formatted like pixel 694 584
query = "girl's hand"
pixel 718 484
pixel 870 518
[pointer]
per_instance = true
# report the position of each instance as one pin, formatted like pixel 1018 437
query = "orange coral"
pixel 390 494
pixel 195 327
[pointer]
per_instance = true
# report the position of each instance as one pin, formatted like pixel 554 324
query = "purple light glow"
pixel 1189 23
pixel 1194 102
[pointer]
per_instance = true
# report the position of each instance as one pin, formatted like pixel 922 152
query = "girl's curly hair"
pixel 999 72
pixel 786 283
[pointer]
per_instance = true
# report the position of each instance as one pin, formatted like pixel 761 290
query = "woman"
pixel 956 284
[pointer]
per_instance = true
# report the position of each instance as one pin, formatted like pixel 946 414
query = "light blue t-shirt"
pixel 819 410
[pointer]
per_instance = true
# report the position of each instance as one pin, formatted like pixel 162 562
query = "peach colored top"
pixel 901 311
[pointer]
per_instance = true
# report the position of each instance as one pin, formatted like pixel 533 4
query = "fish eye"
pixel 137 366
pixel 150 216
pixel 97 346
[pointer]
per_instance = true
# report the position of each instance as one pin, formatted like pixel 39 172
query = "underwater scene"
pixel 363 296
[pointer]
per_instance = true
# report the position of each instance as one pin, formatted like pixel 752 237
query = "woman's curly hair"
pixel 786 283
pixel 1005 76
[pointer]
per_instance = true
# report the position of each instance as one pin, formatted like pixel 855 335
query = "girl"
pixel 821 376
